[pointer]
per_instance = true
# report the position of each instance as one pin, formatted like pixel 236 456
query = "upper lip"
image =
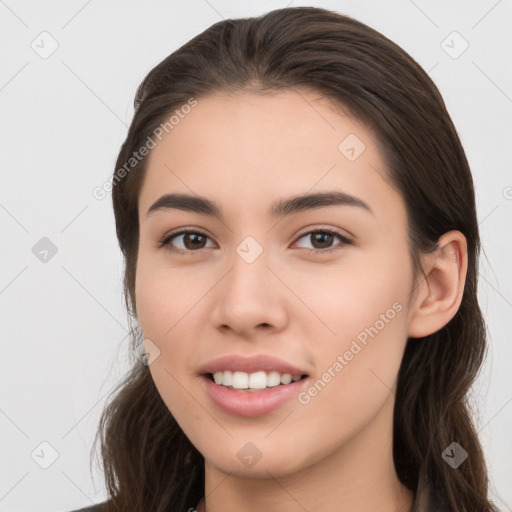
pixel 250 365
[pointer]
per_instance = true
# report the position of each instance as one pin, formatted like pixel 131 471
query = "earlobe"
pixel 441 291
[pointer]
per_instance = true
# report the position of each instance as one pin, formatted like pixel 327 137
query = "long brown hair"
pixel 149 463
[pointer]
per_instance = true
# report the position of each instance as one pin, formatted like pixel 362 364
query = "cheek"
pixel 162 306
pixel 346 298
pixel 169 308
pixel 363 315
pixel 164 297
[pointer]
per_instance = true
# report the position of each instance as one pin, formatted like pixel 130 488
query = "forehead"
pixel 250 148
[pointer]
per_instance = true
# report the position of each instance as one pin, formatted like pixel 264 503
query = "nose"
pixel 250 299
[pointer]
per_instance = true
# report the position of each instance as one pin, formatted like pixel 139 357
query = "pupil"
pixel 193 237
pixel 322 237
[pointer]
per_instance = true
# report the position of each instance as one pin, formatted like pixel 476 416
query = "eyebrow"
pixel 282 207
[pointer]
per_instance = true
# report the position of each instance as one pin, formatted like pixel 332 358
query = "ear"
pixel 440 292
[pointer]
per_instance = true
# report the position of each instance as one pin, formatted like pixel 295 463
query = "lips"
pixel 251 402
pixel 251 364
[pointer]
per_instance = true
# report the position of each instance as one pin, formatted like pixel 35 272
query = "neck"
pixel 358 476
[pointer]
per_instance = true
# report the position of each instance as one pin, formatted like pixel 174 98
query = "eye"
pixel 322 240
pixel 188 241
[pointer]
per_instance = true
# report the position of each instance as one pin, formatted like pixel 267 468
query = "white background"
pixel 63 119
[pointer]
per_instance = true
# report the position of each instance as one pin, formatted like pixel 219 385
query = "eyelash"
pixel 344 241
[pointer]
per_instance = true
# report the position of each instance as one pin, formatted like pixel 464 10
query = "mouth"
pixel 252 382
pixel 238 397
pixel 251 386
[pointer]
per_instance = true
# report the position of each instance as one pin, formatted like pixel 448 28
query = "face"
pixel 320 285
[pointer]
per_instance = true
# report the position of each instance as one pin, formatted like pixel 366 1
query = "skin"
pixel 244 151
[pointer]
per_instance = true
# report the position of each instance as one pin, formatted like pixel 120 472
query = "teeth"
pixel 273 379
pixel 286 378
pixel 256 380
pixel 240 380
pixel 227 378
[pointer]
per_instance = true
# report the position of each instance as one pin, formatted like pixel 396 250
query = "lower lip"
pixel 251 403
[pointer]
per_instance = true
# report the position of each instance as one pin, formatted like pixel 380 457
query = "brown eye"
pixel 194 241
pixel 322 240
pixel 185 241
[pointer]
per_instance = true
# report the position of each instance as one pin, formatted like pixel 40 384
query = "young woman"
pixel 298 222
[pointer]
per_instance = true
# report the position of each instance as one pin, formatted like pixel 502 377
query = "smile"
pixel 239 380
pixel 250 402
